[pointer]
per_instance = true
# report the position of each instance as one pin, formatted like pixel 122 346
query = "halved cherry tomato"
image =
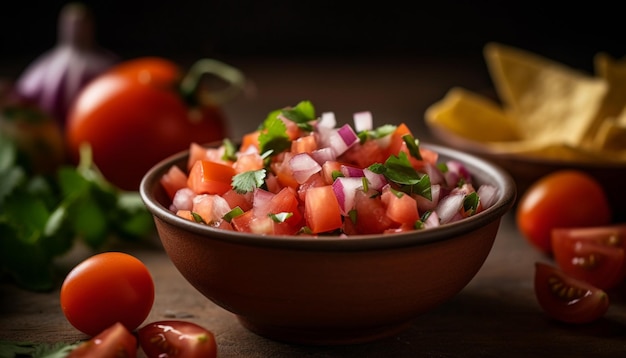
pixel 133 116
pixel 594 254
pixel 562 199
pixel 115 341
pixel 107 288
pixel 567 299
pixel 178 339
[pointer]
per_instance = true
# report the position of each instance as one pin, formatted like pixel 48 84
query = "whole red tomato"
pixel 563 199
pixel 143 110
pixel 107 288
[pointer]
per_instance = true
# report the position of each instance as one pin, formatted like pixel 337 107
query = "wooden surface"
pixel 496 315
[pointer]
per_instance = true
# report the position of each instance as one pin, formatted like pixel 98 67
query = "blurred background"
pixel 283 28
pixel 393 58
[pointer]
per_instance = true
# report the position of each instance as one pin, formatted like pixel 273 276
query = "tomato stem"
pixel 192 89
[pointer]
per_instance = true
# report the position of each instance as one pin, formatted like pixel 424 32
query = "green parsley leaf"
pixel 413 146
pixel 230 150
pixel 274 136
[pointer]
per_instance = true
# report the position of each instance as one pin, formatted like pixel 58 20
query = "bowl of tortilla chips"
pixel 545 116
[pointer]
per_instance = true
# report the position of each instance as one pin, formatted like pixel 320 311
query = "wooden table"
pixel 496 315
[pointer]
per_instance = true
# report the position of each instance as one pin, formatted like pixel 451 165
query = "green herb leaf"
pixel 274 136
pixel 470 203
pixel 280 217
pixel 247 181
pixel 229 216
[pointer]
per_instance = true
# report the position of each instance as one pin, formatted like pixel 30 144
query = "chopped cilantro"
pixel 280 217
pixel 470 203
pixel 229 216
pixel 247 181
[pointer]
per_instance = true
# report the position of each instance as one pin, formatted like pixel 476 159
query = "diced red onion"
pixel 303 166
pixel 449 206
pixel 432 220
pixel 363 121
pixel 345 189
pixel 487 195
pixel 434 173
pixel 183 199
pixel 351 171
pixel 459 170
pixel 323 155
pixel 342 138
pixel 327 120
pixel 376 181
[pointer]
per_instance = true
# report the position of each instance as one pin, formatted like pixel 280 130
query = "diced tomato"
pixel 306 144
pixel 328 168
pixel 314 181
pixel 401 207
pixel 364 155
pixel 283 172
pixel 322 212
pixel 199 152
pixel 248 162
pixel 593 254
pixel 371 214
pixel 185 214
pixel 173 180
pixel 397 142
pixel 235 199
pixel 250 139
pixel 286 201
pixel 208 177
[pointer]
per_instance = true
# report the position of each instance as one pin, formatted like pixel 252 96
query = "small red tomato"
pixel 567 299
pixel 567 198
pixel 176 339
pixel 143 110
pixel 105 289
pixel 115 341
pixel 596 255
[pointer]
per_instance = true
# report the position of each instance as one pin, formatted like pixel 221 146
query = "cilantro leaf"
pixel 247 181
pixel 274 136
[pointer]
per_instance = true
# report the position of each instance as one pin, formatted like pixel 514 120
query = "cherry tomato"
pixel 566 198
pixel 115 341
pixel 594 254
pixel 567 299
pixel 107 288
pixel 176 339
pixel 133 116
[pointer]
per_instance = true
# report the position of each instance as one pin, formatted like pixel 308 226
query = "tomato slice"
pixel 567 299
pixel 115 341
pixel 176 339
pixel 595 254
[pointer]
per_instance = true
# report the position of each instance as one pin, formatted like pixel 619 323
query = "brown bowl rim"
pixel 478 167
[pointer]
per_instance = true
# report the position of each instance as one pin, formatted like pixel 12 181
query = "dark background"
pixel 568 32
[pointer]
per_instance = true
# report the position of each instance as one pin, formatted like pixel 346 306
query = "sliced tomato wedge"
pixel 567 299
pixel 596 255
pixel 181 339
pixel 115 341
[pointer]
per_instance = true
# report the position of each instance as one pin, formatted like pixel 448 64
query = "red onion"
pixel 342 139
pixel 303 166
pixel 363 121
pixel 487 195
pixel 55 78
pixel 376 181
pixel 345 189
pixel 449 206
pixel 183 200
pixel 423 204
pixel 351 171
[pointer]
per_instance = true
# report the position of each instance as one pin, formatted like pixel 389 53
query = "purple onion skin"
pixel 54 79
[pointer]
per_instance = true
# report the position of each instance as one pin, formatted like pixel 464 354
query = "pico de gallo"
pixel 302 174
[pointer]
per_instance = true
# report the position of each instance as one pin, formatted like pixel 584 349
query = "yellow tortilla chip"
pixel 472 116
pixel 611 134
pixel 554 104
pixel 614 72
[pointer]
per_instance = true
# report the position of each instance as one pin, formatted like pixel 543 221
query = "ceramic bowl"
pixel 525 169
pixel 330 290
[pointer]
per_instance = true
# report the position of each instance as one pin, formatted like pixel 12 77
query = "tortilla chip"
pixel 553 103
pixel 472 116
